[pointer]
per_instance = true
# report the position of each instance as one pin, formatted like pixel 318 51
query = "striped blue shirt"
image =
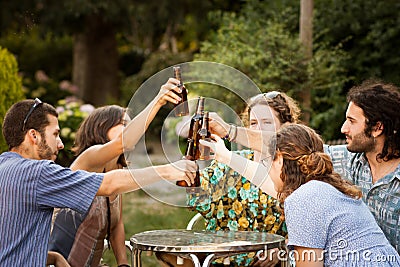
pixel 382 198
pixel 29 190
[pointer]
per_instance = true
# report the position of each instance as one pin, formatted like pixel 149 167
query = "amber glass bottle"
pixel 192 149
pixel 192 152
pixel 204 134
pixel 182 107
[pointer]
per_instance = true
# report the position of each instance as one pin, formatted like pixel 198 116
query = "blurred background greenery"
pixel 101 51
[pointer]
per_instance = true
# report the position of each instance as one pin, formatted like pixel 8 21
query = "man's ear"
pixel 378 129
pixel 33 136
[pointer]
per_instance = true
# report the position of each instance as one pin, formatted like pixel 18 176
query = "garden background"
pixel 81 54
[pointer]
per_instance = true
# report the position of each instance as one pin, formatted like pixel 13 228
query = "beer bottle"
pixel 182 107
pixel 204 134
pixel 192 149
pixel 196 183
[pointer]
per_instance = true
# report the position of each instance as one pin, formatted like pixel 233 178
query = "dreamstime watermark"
pixel 340 252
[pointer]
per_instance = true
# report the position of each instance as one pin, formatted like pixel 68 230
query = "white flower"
pixel 60 109
pixel 88 108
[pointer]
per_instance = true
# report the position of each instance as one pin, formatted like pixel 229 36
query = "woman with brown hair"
pixel 233 202
pixel 99 148
pixel 229 201
pixel 328 223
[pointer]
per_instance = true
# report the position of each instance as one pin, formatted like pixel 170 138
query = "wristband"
pixel 226 137
pixel 124 265
pixel 234 134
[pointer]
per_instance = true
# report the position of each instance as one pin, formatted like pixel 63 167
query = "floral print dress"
pixel 229 201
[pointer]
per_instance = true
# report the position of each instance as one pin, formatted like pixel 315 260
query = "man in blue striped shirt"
pixel 31 184
pixel 371 158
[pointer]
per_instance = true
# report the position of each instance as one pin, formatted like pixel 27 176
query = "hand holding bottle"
pixel 217 125
pixel 169 92
pixel 181 170
pixel 217 145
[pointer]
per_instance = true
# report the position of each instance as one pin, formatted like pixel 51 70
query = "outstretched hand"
pixel 182 170
pixel 168 92
pixel 217 125
pixel 217 146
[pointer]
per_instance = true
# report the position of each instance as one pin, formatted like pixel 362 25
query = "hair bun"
pixel 315 164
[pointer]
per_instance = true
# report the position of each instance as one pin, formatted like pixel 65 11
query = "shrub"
pixel 10 87
pixel 71 112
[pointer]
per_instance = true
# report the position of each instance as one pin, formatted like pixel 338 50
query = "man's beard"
pixel 361 143
pixel 45 151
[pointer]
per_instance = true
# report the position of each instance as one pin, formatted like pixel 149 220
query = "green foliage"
pixel 369 31
pixel 44 60
pixel 71 112
pixel 40 51
pixel 10 87
pixel 264 49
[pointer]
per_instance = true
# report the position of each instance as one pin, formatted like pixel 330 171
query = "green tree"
pixel 100 27
pixel 265 49
pixel 10 87
pixel 370 33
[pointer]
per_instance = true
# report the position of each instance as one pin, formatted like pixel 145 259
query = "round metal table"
pixel 206 245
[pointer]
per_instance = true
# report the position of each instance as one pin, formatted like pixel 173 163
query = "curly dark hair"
pixel 304 160
pixel 286 107
pixel 380 103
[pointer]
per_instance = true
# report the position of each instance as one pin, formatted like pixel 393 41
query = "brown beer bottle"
pixel 182 107
pixel 195 126
pixel 204 134
pixel 196 183
pixel 192 149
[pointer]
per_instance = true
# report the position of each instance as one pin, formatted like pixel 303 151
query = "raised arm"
pixel 95 157
pixel 138 126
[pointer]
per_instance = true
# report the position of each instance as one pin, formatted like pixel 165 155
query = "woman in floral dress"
pixel 229 201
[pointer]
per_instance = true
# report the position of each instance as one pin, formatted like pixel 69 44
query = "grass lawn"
pixel 142 213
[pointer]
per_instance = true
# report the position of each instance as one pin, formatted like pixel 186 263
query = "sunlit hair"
pixel 304 160
pixel 94 129
pixel 380 103
pixel 285 106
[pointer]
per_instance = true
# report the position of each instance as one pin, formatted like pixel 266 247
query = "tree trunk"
pixel 306 38
pixel 95 63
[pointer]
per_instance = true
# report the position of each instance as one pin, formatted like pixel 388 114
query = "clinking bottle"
pixel 192 149
pixel 182 107
pixel 204 134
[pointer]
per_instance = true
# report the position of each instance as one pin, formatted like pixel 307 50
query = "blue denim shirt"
pixel 382 198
